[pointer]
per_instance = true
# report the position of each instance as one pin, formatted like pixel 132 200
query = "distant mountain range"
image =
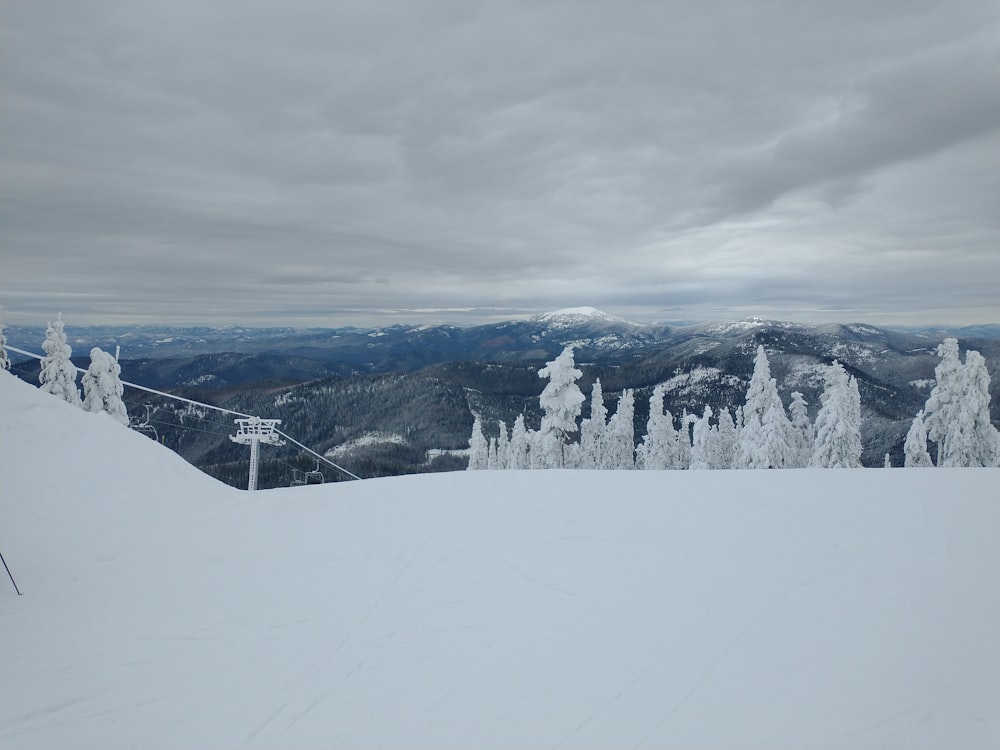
pixel 306 353
pixel 398 399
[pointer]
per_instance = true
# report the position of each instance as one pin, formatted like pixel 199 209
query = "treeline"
pixel 761 434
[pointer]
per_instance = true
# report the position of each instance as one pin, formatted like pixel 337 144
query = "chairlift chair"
pixel 301 477
pixel 145 427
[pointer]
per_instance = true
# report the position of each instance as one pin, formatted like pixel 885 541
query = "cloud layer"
pixel 335 163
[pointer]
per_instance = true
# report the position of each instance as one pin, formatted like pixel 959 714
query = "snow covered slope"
pixel 839 609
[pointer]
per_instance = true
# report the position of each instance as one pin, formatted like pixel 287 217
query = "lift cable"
pixel 306 448
pixel 324 459
pixel 148 390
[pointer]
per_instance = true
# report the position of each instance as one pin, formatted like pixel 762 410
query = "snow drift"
pixel 785 609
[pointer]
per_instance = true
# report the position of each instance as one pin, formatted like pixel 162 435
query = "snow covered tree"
pixel 749 452
pixel 838 424
pixel 518 448
pixel 58 374
pixel 4 359
pixel 942 405
pixel 593 429
pixel 724 442
pixel 887 462
pixel 763 443
pixel 620 441
pixel 776 433
pixel 915 446
pixel 544 452
pixel 560 401
pixel 479 451
pixel 802 433
pixel 682 447
pixel 701 442
pixel 503 446
pixel 658 446
pixel 969 438
pixel 102 387
pixel 491 454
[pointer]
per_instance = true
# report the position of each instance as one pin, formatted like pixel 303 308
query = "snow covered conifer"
pixel 749 453
pixel 724 442
pixel 4 359
pixel 518 448
pixel 544 452
pixel 915 446
pixel 560 401
pixel 58 374
pixel 775 431
pixel 479 451
pixel 942 405
pixel 802 433
pixel 102 387
pixel 970 439
pixel 701 442
pixel 763 443
pixel 657 449
pixel 682 447
pixel 838 424
pixel 887 462
pixel 620 442
pixel 503 446
pixel 593 429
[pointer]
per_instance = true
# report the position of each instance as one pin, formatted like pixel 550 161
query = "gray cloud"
pixel 330 163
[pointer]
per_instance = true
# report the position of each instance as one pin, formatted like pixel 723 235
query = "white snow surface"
pixel 546 609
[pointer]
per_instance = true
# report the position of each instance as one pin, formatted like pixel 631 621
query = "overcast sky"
pixel 337 163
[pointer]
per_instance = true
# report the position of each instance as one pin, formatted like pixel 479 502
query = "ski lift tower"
pixel 254 431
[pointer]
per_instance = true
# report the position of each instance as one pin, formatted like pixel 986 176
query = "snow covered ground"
pixel 795 609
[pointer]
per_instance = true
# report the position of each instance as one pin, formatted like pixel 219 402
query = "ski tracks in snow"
pixel 320 666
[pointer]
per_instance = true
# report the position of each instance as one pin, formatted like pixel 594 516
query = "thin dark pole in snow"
pixel 9 575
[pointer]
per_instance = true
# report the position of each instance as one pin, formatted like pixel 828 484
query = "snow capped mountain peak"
pixel 577 315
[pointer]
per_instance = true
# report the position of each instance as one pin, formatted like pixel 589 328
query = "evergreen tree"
pixel 838 424
pixel 776 431
pixel 942 406
pixel 970 439
pixel 478 448
pixel 802 434
pixel 560 401
pixel 915 446
pixel 573 456
pixel 657 449
pixel 518 449
pixel 503 447
pixel 4 359
pixel 749 452
pixel 102 387
pixel 621 434
pixel 763 443
pixel 887 462
pixel 725 441
pixel 58 374
pixel 682 445
pixel 702 442
pixel 544 451
pixel 593 429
